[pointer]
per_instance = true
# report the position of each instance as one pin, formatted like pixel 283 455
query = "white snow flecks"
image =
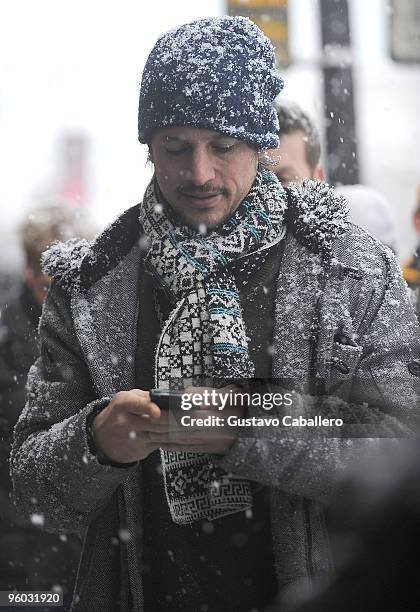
pixel 317 214
pixel 63 260
pixel 37 519
pixel 124 535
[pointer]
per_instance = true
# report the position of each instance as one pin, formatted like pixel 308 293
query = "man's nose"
pixel 201 167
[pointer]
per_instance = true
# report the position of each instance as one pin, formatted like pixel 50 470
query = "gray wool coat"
pixel 366 354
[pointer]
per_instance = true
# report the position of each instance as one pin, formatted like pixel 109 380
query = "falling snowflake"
pixel 37 519
pixel 124 535
pixel 207 527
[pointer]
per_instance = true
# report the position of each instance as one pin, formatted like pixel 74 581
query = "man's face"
pixel 290 157
pixel 202 174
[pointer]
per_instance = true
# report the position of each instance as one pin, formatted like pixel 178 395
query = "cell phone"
pixel 167 399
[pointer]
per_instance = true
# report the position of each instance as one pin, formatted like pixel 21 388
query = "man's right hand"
pixel 122 429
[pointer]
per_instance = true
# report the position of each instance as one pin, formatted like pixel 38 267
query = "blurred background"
pixel 70 74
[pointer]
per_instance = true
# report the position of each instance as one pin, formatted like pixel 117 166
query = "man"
pixel 298 153
pixel 30 559
pixel 217 275
pixel 411 268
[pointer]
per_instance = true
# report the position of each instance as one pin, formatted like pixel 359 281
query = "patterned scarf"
pixel 204 337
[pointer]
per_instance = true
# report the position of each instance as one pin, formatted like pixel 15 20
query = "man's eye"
pixel 175 151
pixel 224 148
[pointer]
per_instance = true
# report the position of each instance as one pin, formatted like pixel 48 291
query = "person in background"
pixel 411 268
pixel 29 558
pixel 9 284
pixel 298 157
pixel 298 154
pixel 369 209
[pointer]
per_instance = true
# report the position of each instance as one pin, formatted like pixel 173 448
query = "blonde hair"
pixel 48 223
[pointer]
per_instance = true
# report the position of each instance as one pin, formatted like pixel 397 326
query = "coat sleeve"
pixel 57 480
pixel 382 406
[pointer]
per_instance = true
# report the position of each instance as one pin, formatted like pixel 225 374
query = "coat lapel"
pixel 105 318
pixel 297 291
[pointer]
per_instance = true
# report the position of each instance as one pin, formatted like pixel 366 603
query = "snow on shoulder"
pixel 62 261
pixel 316 214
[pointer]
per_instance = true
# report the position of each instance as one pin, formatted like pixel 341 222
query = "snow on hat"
pixel 215 73
pixel 370 210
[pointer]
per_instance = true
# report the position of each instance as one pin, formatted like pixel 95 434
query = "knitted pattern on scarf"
pixel 204 337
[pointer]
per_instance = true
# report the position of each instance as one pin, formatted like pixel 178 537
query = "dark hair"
pixel 292 119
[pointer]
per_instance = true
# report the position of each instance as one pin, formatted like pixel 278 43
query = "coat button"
pixel 414 368
pixel 341 338
pixel 342 367
pixel 352 272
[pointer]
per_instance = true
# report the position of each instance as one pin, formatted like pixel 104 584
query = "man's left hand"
pixel 212 439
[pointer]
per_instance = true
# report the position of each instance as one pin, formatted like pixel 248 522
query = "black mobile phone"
pixel 167 399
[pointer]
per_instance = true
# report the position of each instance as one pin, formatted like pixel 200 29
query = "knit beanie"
pixel 215 73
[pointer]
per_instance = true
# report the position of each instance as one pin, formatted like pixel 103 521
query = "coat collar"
pixel 315 215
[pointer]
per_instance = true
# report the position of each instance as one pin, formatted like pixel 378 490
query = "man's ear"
pixel 319 173
pixel 150 155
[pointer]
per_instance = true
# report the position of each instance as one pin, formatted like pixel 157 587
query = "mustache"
pixel 189 189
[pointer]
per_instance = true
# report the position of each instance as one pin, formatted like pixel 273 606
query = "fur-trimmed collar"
pixel 315 215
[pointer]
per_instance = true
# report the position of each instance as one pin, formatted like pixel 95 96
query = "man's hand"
pixel 199 439
pixel 132 426
pixel 122 429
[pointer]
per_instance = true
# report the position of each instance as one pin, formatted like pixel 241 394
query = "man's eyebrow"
pixel 177 139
